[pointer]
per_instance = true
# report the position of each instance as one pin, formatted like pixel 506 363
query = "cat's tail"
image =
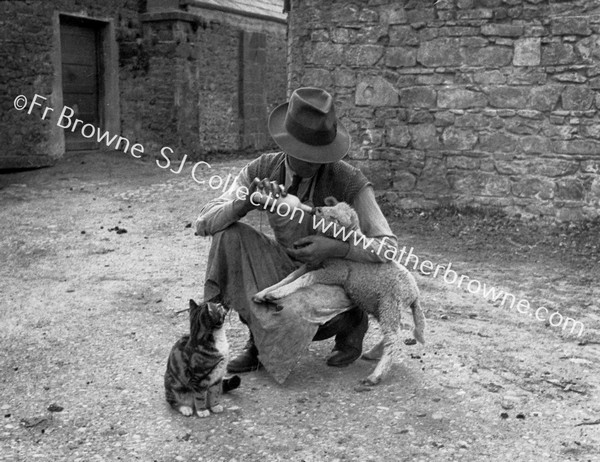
pixel 231 383
pixel 419 321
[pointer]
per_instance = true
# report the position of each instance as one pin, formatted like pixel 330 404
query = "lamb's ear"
pixel 330 201
pixel 193 304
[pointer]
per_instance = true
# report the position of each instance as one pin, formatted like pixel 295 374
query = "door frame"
pixel 108 98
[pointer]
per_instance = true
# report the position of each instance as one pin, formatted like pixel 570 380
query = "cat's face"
pixel 207 316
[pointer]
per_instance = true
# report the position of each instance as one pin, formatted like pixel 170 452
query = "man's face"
pixel 302 168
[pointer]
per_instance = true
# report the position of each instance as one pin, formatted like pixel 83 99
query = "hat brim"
pixel 322 154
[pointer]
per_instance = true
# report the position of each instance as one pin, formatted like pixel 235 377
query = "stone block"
pixel 496 142
pixel 489 78
pixel 440 52
pixel 403 36
pixel 508 97
pixel 590 166
pixel 594 194
pixel 570 190
pixel 363 55
pixel 463 162
pixel 378 172
pixel 459 139
pixel 487 56
pixel 534 144
pixel 424 136
pixel 557 53
pixel 344 78
pixel 458 98
pixel 417 97
pixel 577 98
pixel 392 13
pixel 569 214
pixel 343 35
pixel 544 98
pixel 502 30
pixel 375 91
pixel 579 25
pixel 538 188
pixel 433 180
pixel 398 135
pixel 324 54
pixel 528 52
pixel 589 49
pixel 481 184
pixel 404 181
pixel 317 78
pixel 400 57
pixel 553 167
pixel 511 167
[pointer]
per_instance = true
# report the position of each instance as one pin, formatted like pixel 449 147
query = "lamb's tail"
pixel 419 321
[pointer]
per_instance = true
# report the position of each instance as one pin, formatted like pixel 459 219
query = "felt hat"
pixel 307 128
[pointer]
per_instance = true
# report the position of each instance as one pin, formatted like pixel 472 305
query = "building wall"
pixel 481 102
pixel 197 81
pixel 183 77
pixel 28 54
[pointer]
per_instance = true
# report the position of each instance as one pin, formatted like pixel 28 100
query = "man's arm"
pixel 226 209
pixel 378 236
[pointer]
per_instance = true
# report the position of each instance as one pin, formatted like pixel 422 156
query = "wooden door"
pixel 80 78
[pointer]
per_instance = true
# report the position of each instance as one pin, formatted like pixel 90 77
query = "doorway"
pixel 81 66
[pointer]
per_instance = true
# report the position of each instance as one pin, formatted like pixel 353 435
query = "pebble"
pixel 462 444
pixel 437 416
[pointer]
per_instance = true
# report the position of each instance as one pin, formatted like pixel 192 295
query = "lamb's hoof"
pixel 186 411
pixel 371 381
pixel 203 413
pixel 258 298
pixel 217 409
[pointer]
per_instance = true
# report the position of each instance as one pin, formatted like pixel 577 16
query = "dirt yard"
pixel 89 313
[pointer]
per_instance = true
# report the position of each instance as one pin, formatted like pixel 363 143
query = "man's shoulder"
pixel 265 163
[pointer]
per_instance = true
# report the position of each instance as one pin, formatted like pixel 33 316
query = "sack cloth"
pixel 242 262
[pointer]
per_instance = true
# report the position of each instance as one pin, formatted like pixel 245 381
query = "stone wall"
pixel 481 102
pixel 27 54
pixel 197 82
pixel 194 79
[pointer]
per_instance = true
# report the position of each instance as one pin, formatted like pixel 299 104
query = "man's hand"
pixel 314 249
pixel 264 187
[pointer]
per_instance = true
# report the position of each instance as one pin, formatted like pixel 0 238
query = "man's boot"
pixel 247 360
pixel 349 328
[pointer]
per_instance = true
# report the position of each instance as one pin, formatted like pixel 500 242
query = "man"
pixel 243 261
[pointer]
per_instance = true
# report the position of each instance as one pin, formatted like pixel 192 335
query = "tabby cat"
pixel 197 363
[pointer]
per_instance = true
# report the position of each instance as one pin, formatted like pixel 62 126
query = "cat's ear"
pixel 330 201
pixel 193 304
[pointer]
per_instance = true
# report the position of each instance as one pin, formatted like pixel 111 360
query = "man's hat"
pixel 306 127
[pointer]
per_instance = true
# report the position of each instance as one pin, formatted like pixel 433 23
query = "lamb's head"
pixel 338 213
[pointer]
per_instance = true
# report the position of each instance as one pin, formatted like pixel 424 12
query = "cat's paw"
pixel 217 409
pixel 186 411
pixel 203 413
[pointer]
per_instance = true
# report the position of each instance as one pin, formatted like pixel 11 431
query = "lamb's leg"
pixel 389 320
pixel 375 352
pixel 261 296
pixel 330 275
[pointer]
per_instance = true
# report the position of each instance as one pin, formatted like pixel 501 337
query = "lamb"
pixel 381 289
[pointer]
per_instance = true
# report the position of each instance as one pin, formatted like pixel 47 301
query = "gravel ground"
pixel 89 312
